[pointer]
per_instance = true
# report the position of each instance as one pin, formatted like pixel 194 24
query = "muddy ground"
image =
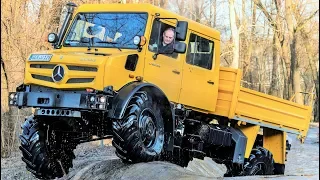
pixel 94 162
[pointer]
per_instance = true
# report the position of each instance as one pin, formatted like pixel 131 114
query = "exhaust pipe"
pixel 70 7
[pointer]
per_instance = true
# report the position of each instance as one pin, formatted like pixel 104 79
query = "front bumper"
pixel 58 100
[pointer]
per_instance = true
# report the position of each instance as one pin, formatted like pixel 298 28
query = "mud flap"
pixel 240 145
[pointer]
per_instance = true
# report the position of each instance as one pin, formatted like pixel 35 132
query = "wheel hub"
pixel 147 128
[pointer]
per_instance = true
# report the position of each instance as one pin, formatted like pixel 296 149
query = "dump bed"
pixel 258 108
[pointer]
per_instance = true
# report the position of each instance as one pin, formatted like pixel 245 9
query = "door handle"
pixel 210 82
pixel 176 71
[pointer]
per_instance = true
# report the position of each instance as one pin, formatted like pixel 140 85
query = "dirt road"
pixel 95 163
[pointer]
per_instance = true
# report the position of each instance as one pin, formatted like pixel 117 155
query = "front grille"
pixel 70 67
pixel 43 78
pixel 79 80
pixel 82 68
pixel 43 66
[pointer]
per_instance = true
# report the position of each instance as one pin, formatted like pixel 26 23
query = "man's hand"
pixel 153 47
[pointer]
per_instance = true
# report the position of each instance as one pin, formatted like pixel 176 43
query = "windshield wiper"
pixel 67 42
pixel 81 41
pixel 106 42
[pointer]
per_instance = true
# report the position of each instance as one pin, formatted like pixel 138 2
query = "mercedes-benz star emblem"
pixel 58 73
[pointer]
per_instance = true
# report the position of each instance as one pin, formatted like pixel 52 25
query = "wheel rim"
pixel 148 128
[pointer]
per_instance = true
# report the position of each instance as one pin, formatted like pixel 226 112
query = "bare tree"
pixel 235 35
pixel 314 67
pixel 287 44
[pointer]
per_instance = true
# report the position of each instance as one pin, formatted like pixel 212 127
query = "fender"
pixel 122 99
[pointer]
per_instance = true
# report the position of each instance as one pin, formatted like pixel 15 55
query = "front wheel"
pixel 41 160
pixel 139 136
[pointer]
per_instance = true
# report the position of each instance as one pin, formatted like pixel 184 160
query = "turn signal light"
pixel 89 90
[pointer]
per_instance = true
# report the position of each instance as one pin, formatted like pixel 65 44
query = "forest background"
pixel 274 42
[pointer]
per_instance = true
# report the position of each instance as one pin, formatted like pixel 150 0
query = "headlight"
pixel 101 106
pixel 136 40
pixel 92 98
pixel 12 96
pixel 102 99
pixel 52 38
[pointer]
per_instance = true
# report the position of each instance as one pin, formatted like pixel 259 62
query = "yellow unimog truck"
pixel 107 77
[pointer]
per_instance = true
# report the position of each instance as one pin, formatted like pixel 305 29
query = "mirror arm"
pixel 155 56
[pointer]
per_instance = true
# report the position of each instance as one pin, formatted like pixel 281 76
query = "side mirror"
pixel 53 38
pixel 180 47
pixel 181 30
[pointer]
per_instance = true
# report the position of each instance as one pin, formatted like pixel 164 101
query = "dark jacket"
pixel 168 49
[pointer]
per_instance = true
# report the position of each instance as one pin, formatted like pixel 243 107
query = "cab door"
pixel 165 71
pixel 199 87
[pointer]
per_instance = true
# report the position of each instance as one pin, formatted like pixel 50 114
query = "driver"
pixel 166 46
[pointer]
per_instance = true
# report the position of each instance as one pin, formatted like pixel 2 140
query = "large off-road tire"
pixel 38 157
pixel 260 162
pixel 279 169
pixel 139 136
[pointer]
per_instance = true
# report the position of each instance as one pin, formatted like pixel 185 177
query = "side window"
pixel 162 39
pixel 200 51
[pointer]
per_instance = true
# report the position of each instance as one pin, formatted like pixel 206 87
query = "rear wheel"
pixel 41 159
pixel 279 169
pixel 260 162
pixel 139 136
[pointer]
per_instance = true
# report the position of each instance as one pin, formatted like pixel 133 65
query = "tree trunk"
pixel 181 7
pixel 235 35
pixel 56 14
pixel 163 3
pixel 197 17
pixel 314 70
pixel 282 41
pixel 214 13
pixel 275 62
pixel 252 39
pixel 292 46
pixel 295 72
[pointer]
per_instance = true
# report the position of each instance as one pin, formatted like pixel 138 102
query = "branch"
pixel 303 22
pixel 265 12
pixel 5 73
pixel 225 53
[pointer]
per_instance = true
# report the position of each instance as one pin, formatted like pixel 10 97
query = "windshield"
pixel 106 30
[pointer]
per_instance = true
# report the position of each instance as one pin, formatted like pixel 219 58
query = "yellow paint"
pixel 251 132
pixel 275 142
pixel 259 107
pixel 160 71
pixel 235 95
pixel 196 92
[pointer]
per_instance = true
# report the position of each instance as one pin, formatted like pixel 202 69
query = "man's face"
pixel 168 36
